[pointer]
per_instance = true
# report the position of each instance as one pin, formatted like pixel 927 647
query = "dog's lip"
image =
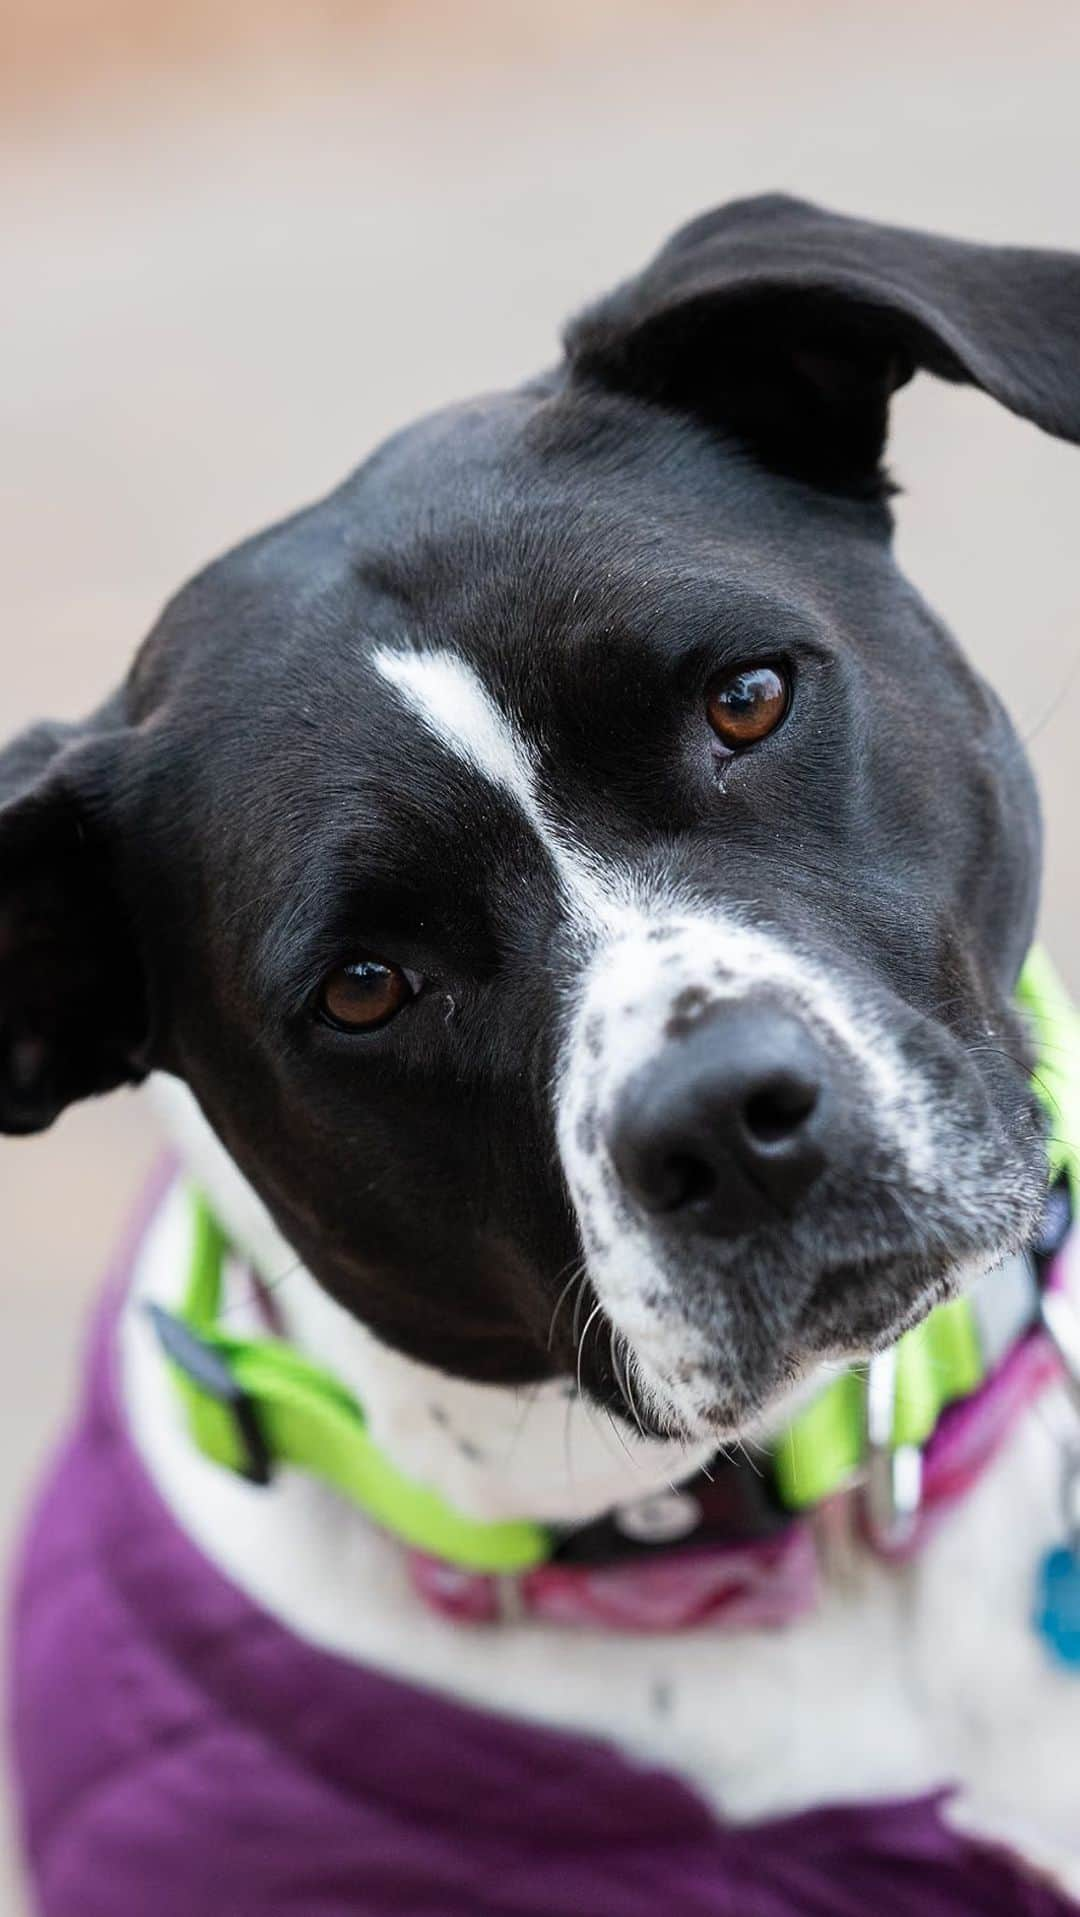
pixel 736 1412
pixel 735 1407
pixel 845 1277
pixel 921 1277
pixel 739 1407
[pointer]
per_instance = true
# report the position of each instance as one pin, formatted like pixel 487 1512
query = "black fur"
pixel 698 483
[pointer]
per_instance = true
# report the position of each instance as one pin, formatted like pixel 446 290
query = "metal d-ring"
pixel 893 1482
pixel 1061 1321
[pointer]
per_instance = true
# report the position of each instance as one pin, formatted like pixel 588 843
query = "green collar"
pixel 254 1403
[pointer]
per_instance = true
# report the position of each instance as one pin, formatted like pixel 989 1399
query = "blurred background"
pixel 239 242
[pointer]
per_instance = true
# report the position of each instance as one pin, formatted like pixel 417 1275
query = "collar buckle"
pixel 206 1372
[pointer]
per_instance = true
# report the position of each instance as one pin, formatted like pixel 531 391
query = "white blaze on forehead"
pixel 447 695
pixel 457 709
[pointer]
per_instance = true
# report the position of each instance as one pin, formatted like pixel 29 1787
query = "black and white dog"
pixel 582 887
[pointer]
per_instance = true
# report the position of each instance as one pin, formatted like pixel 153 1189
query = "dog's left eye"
pixel 744 706
pixel 364 994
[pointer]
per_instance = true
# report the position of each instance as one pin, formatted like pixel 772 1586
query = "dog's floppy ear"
pixel 791 327
pixel 72 1001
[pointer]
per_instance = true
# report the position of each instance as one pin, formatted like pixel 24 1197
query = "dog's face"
pixel 580 881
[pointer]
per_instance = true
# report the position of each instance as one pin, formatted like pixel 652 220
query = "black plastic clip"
pixel 208 1370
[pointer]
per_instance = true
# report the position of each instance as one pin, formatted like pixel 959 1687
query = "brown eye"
pixel 746 705
pixel 360 996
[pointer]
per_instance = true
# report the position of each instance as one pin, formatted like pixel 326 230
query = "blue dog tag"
pixel 1057 1615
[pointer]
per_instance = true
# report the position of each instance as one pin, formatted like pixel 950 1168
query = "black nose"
pixel 729 1125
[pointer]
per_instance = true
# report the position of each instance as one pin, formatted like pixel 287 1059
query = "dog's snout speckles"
pixel 654 986
pixel 688 1008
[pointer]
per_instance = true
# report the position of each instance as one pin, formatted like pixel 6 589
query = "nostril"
pixel 776 1111
pixel 689 1180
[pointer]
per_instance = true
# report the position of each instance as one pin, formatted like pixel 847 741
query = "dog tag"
pixel 663 1519
pixel 1057 1616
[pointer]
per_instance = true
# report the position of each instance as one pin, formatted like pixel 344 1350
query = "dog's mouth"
pixel 733 1385
pixel 863 1304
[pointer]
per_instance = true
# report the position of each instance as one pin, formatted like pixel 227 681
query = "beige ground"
pixel 218 294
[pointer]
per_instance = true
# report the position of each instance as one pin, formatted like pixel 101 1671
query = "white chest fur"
pixel 900 1681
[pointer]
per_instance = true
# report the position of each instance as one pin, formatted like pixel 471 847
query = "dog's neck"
pixel 540 1452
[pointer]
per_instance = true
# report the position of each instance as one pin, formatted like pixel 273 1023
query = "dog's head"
pixel 581 882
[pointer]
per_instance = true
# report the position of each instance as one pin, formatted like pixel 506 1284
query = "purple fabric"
pixel 178 1754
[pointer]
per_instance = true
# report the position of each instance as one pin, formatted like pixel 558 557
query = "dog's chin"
pixel 853 1312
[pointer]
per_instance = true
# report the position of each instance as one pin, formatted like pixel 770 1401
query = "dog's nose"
pixel 728 1126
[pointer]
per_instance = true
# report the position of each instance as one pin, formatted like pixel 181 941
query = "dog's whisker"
pixel 590 1415
pixel 259 1288
pixel 574 1279
pixel 593 1315
pixel 755 1468
pixel 528 1407
pixel 568 1430
pixel 622 1441
pixel 627 1379
pixel 631 1367
pixel 578 1305
pixel 1054 705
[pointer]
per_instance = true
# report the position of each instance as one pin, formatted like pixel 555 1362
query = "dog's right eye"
pixel 364 994
pixel 744 706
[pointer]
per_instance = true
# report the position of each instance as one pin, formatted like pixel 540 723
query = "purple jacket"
pixel 179 1754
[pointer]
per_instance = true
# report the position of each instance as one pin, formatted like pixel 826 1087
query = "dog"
pixel 570 892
